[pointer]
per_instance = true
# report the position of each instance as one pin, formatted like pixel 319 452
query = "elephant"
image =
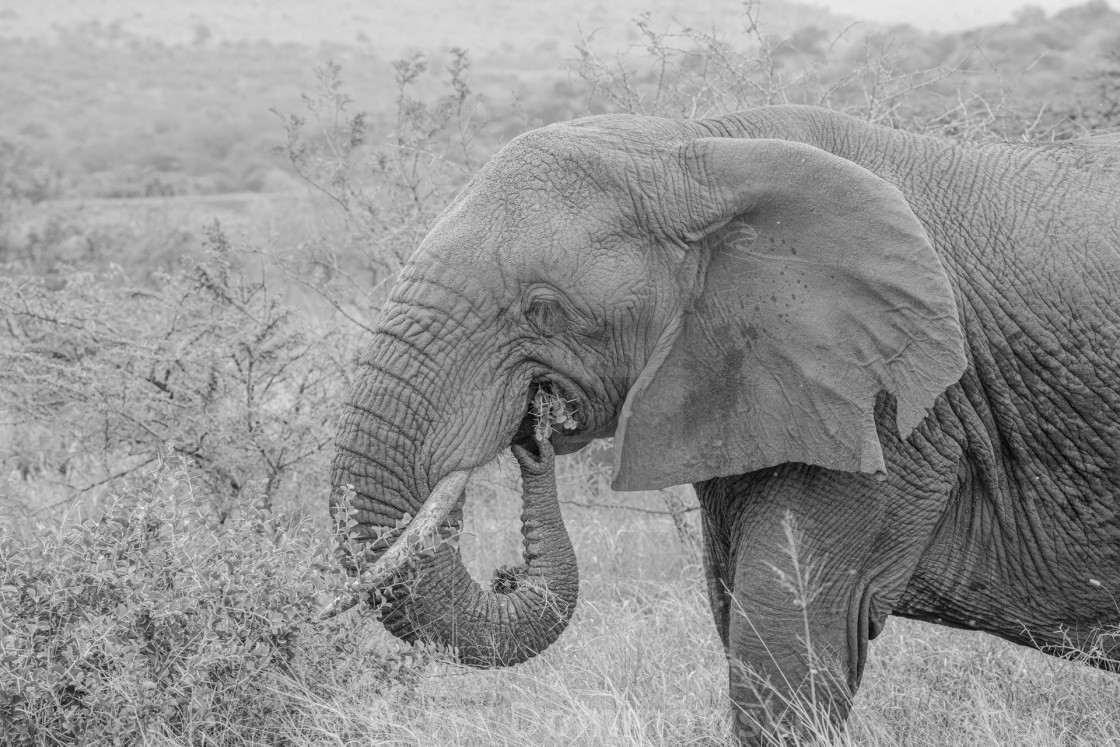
pixel 904 347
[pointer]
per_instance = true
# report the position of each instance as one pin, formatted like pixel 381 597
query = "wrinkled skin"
pixel 896 354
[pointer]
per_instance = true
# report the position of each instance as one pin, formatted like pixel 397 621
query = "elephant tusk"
pixel 426 523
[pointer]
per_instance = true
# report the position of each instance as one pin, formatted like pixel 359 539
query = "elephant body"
pixel 1012 480
pixel 888 363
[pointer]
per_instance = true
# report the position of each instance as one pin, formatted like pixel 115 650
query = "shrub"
pixel 152 621
pixel 208 365
pixel 1101 107
pixel 921 84
pixel 387 193
pixel 25 177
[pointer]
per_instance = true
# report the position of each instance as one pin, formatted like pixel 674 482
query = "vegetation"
pixel 118 113
pixel 103 378
pixel 171 371
pixel 152 619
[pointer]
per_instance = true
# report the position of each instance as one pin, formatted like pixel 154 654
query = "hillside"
pixel 497 29
pixel 123 98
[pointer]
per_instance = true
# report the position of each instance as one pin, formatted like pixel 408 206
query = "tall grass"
pixel 640 663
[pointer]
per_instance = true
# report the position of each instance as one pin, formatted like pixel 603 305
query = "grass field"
pixel 640 664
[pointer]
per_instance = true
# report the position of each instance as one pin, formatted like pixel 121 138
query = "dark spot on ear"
pixel 733 362
pixel 714 388
pixel 748 331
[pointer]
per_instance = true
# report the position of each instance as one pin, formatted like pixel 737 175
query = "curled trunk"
pixel 525 609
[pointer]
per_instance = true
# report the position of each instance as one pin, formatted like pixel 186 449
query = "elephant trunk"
pixel 526 607
pixel 424 591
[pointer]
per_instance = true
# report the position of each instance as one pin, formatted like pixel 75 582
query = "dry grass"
pixel 640 664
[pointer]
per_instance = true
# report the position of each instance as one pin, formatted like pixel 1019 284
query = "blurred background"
pixel 115 98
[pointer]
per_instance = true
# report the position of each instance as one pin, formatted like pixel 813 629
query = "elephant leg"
pixel 797 630
pixel 717 553
pixel 818 560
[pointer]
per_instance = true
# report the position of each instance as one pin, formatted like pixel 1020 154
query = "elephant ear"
pixel 821 291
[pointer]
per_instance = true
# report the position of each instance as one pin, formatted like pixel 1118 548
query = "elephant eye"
pixel 546 317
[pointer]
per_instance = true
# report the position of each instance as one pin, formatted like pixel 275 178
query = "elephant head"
pixel 718 304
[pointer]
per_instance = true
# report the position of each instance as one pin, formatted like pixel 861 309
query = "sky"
pixel 943 15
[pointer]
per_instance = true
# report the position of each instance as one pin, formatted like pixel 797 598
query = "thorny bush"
pixel 387 191
pixel 99 376
pixel 151 622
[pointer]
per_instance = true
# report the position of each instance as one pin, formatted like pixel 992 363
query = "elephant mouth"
pixel 550 408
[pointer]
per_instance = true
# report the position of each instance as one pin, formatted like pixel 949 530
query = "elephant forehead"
pixel 569 172
pixel 513 230
pixel 534 200
pixel 551 193
pixel 580 166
